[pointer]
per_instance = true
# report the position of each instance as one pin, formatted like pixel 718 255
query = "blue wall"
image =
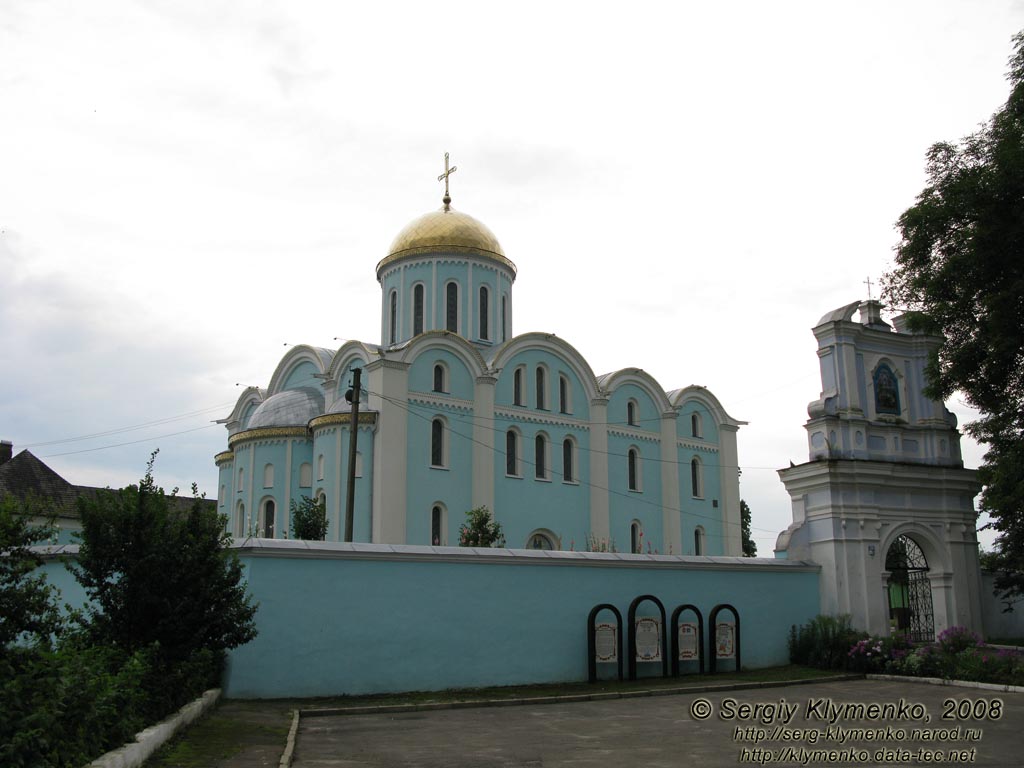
pixel 420 618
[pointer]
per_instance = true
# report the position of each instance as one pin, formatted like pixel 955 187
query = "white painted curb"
pixel 954 683
pixel 151 739
pixel 289 747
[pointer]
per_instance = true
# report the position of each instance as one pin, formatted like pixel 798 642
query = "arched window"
pixel 268 476
pixel 631 413
pixel 269 513
pixel 417 309
pixel 887 391
pixel 437 537
pixel 540 540
pixel 633 469
pixel 437 443
pixel 696 478
pixel 439 378
pixel 636 538
pixel 540 466
pixel 320 467
pixel 485 311
pixel 512 453
pixel 504 318
pixel 563 394
pixel 240 520
pixel 698 541
pixel 241 478
pixel 306 475
pixel 696 428
pixel 542 400
pixel 568 453
pixel 517 386
pixel 451 312
pixel 393 317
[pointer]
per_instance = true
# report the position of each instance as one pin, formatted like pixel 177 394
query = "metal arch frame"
pixel 591 646
pixel 713 635
pixel 675 637
pixel 632 635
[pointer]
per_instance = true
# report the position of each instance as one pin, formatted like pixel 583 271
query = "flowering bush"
pixel 956 639
pixel 879 654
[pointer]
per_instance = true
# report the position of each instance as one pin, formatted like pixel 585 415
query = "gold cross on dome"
pixel 444 177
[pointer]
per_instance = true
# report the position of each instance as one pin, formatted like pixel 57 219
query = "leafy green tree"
pixel 960 273
pixel 749 547
pixel 481 530
pixel 160 575
pixel 309 519
pixel 28 609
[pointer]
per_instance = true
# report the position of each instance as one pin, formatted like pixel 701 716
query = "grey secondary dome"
pixel 293 408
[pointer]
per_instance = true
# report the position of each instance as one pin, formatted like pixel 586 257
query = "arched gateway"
pixel 910 591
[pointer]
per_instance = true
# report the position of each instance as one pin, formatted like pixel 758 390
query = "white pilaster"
pixel 483 442
pixel 388 384
pixel 671 510
pixel 600 525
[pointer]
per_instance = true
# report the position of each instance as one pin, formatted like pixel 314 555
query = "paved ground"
pixel 663 731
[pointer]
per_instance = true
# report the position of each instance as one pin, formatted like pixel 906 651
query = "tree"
pixel 309 519
pixel 158 575
pixel 480 530
pixel 28 609
pixel 960 274
pixel 749 547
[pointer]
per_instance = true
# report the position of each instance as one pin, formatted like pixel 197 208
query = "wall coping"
pixel 332 550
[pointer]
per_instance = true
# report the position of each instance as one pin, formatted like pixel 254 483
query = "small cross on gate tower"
pixel 447 199
pixel 868 284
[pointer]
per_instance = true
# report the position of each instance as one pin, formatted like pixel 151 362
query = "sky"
pixel 187 189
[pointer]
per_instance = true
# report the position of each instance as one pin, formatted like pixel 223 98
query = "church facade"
pixel 457 412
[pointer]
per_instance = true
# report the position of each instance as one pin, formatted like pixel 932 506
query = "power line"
pixel 131 442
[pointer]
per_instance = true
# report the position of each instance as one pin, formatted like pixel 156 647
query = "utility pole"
pixel 353 397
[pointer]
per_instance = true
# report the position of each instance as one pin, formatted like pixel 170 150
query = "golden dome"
pixel 445 230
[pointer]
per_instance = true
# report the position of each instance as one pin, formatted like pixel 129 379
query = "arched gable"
pixel 610 382
pixel 247 403
pixel 317 358
pixel 932 547
pixel 351 354
pixel 552 344
pixel 448 341
pixel 680 397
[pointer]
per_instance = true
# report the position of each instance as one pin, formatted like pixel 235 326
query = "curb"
pixel 289 745
pixel 151 739
pixel 953 683
pixel 568 699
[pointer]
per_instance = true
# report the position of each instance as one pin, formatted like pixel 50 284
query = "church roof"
pixel 445 230
pixel 291 408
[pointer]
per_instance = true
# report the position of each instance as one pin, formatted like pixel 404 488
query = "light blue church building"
pixel 458 412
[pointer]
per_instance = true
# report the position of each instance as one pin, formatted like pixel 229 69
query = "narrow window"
pixel 504 318
pixel 636 538
pixel 240 520
pixel 485 310
pixel 306 475
pixel 268 519
pixel 517 386
pixel 541 400
pixel 695 478
pixel 511 453
pixel 632 469
pixel 452 307
pixel 268 476
pixel 394 317
pixel 540 458
pixel 417 310
pixel 320 467
pixel 695 426
pixel 439 378
pixel 567 468
pixel 631 413
pixel 887 391
pixel 241 478
pixel 698 541
pixel 435 526
pixel 563 394
pixel 437 443
pixel 220 496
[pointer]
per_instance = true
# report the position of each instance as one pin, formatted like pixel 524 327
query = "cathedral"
pixel 456 412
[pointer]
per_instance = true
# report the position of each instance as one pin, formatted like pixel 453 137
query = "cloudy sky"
pixel 188 188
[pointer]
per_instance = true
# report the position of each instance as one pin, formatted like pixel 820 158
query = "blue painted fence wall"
pixel 360 618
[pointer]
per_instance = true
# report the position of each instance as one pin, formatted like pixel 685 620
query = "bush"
pixel 880 654
pixel 309 519
pixel 823 643
pixel 481 530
